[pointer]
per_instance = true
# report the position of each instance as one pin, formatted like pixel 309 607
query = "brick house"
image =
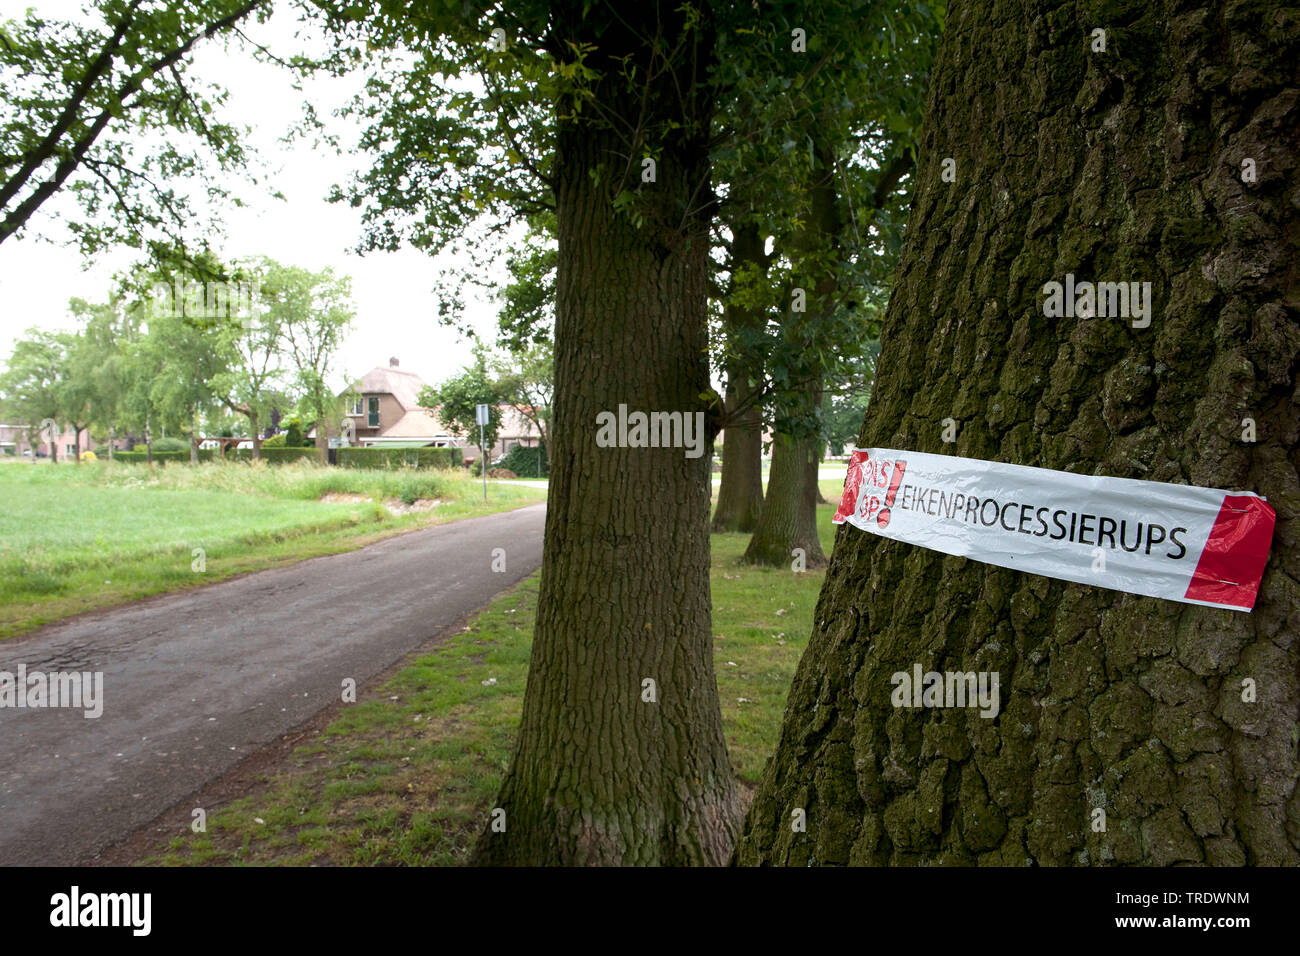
pixel 385 411
pixel 16 440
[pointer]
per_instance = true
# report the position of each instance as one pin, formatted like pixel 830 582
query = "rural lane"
pixel 196 681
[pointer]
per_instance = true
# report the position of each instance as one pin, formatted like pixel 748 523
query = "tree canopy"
pixel 108 110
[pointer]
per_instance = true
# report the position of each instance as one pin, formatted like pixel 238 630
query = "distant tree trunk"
pixel 148 442
pixel 257 435
pixel 322 437
pixel 792 497
pixel 808 510
pixel 813 447
pixel 620 756
pixel 1170 158
pixel 76 442
pixel 194 437
pixel 815 496
pixel 740 492
pixel 112 441
pixel 789 518
pixel 778 522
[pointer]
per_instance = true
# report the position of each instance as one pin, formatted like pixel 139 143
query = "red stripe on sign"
pixel 852 484
pixel 1235 553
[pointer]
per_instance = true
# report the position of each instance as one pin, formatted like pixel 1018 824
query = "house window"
pixel 356 407
pixel 372 418
pixel 69 449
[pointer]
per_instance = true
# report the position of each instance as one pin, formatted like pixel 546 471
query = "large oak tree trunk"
pixel 602 773
pixel 1118 165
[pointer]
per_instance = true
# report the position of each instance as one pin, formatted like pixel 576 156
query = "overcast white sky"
pixel 392 291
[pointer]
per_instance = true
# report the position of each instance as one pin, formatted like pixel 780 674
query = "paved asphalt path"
pixel 195 682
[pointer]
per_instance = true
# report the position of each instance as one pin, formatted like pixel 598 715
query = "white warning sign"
pixel 1198 545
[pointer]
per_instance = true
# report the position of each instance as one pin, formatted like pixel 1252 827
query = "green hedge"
pixel 140 455
pixel 347 457
pixel 399 457
pixel 273 455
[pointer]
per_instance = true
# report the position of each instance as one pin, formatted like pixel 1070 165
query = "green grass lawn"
pixel 407 775
pixel 78 537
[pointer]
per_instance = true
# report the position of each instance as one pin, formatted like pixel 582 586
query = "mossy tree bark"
pixel 602 774
pixel 1129 164
pixel 740 492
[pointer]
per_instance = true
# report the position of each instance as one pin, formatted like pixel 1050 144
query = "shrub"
pixel 275 441
pixel 293 436
pixel 399 457
pixel 171 444
pixel 523 462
